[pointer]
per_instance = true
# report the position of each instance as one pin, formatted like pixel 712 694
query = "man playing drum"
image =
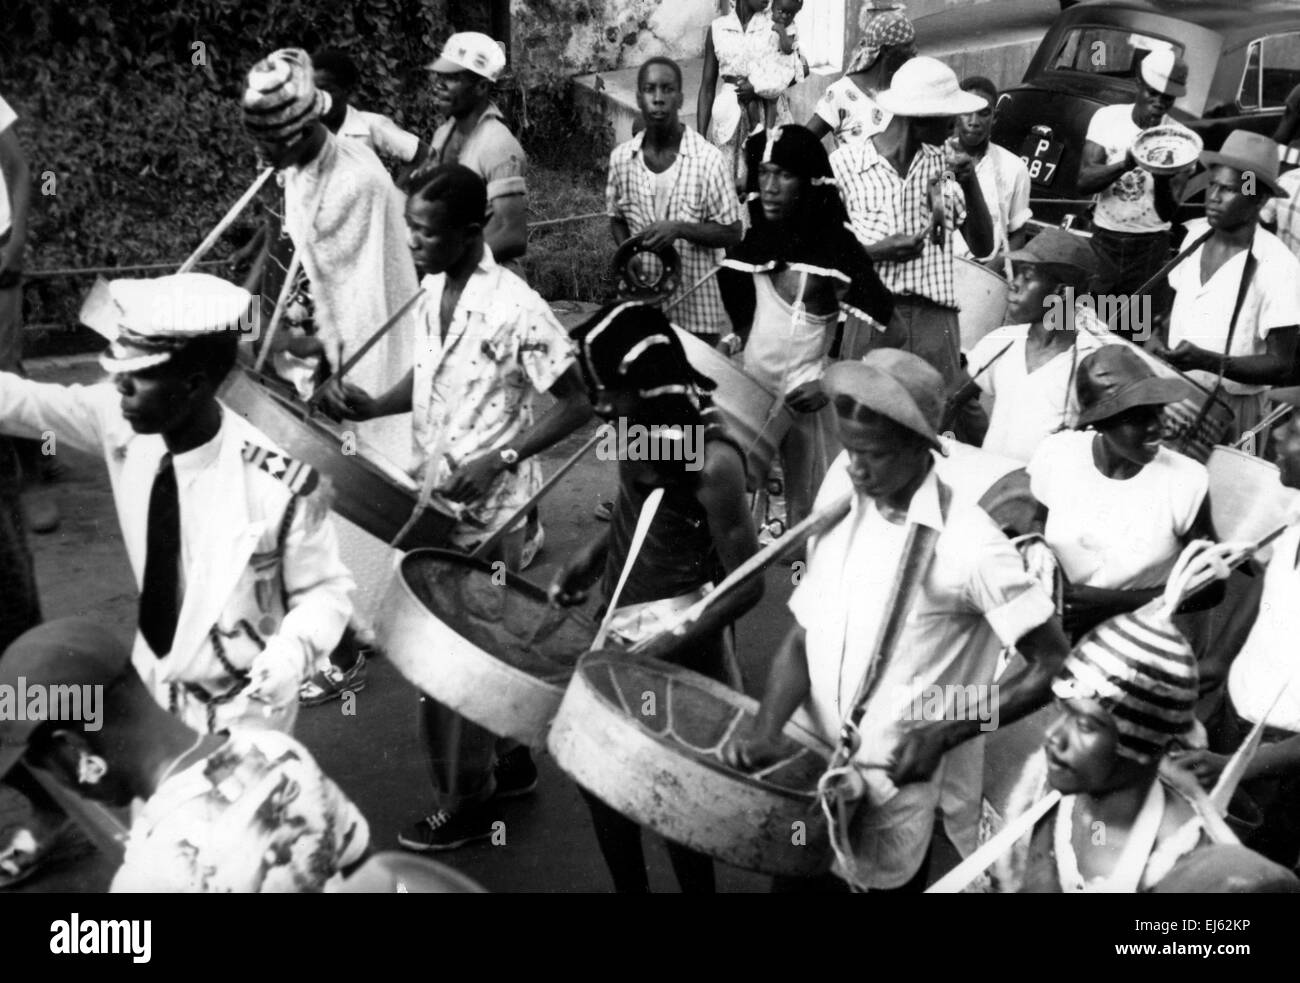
pixel 971 595
pixel 487 344
pixel 636 370
pixel 1236 309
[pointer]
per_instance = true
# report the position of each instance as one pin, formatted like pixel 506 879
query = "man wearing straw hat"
pixel 1236 310
pixel 968 594
pixel 242 593
pixel 487 345
pixel 904 210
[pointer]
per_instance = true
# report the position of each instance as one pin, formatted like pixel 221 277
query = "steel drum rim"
pixel 594 660
pixel 513 580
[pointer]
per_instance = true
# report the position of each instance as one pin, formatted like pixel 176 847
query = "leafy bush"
pixel 129 115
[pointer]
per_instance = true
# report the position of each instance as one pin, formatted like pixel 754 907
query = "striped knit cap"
pixel 1141 669
pixel 281 100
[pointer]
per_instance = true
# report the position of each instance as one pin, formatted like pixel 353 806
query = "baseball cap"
pixel 471 51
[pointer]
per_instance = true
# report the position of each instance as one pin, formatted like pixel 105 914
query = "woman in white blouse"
pixel 1119 506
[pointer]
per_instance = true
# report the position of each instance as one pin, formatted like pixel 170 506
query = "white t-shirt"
pixel 7 118
pixel 663 186
pixel 851 114
pixel 1027 405
pixel 1202 312
pixel 1271 654
pixel 1129 203
pixel 1004 182
pixel 1114 534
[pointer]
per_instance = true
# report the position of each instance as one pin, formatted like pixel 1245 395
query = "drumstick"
pixel 815 524
pixel 1235 769
pixel 693 287
pixel 360 352
pixel 648 511
pixel 983 858
pixel 281 303
pixel 1272 418
pixel 1186 785
pixel 226 222
pixel 486 547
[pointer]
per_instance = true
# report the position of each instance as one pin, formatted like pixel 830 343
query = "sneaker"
pixel 445 830
pixel 332 682
pixel 603 511
pixel 515 774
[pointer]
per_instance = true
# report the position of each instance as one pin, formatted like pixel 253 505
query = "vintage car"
pixel 1243 58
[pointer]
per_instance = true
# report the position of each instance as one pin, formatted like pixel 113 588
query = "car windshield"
pixel 1106 51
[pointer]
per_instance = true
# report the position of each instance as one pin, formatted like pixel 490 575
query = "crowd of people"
pixel 830 279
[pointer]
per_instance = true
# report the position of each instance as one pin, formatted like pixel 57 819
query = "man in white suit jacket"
pixel 259 597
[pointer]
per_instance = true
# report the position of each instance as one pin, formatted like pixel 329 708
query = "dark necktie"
pixel 160 597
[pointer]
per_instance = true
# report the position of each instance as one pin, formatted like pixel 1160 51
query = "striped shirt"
pixel 880 204
pixel 702 192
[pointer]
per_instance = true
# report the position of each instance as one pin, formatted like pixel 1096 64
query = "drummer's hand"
pixel 661 233
pixel 273 679
pixel 473 478
pixel 807 398
pixel 344 401
pixel 1206 766
pixel 918 754
pixel 750 751
pixel 1186 356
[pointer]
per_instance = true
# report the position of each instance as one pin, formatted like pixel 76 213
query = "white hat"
pixel 927 87
pixel 156 318
pixel 471 51
pixel 1165 72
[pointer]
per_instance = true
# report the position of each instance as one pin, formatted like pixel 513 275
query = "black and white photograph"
pixel 574 447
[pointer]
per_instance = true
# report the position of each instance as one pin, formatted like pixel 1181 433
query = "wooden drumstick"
pixel 281 302
pixel 815 524
pixel 484 548
pixel 647 516
pixel 360 352
pixel 226 221
pixel 984 857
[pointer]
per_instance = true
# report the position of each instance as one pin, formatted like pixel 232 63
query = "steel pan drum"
pixel 999 485
pixel 981 299
pixel 645 737
pixel 368 489
pixel 757 417
pixel 1247 498
pixel 497 653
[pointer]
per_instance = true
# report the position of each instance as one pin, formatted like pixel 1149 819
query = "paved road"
pixel 374 755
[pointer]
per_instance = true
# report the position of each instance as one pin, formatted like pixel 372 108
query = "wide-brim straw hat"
pixel 926 87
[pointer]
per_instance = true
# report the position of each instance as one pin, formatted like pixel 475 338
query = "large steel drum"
pixel 646 737
pixel 757 417
pixel 484 642
pixel 1247 498
pixel 368 489
pixel 981 300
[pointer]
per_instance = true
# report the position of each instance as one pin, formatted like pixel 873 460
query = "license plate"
pixel 1042 156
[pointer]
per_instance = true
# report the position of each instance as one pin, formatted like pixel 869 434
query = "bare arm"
pixel 708 86
pixel 571 410
pixel 978 227
pixel 1094 173
pixel 618 228
pixel 1273 368
pixel 714 235
pixel 507 230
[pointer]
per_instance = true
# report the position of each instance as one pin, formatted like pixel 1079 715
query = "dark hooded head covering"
pixel 631 347
pixel 816 238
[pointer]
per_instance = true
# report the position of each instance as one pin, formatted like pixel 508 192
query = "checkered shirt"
pixel 880 204
pixel 703 192
pixel 1286 211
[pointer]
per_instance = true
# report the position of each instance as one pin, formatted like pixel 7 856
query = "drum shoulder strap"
pixel 913 568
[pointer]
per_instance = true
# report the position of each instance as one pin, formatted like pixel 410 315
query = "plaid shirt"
pixel 1285 211
pixel 701 193
pixel 880 204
